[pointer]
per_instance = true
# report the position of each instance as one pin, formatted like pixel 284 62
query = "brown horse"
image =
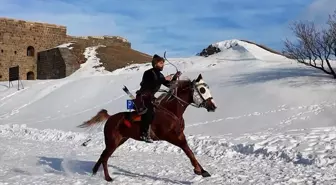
pixel 168 123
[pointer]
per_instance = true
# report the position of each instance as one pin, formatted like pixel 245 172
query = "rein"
pixel 178 98
pixel 181 100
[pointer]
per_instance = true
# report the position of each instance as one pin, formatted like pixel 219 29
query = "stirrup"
pixel 142 111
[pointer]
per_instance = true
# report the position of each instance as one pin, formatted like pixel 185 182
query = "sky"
pixel 180 27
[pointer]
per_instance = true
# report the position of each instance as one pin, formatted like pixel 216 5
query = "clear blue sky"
pixel 182 27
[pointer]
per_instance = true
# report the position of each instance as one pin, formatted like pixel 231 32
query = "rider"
pixel 152 80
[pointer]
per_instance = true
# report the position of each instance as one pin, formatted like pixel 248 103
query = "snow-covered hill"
pixel 243 50
pixel 275 124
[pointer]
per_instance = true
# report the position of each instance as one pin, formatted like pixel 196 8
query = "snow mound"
pixel 23 132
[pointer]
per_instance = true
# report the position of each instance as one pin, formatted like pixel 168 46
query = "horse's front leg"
pixel 182 143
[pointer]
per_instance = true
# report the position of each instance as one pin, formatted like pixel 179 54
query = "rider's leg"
pixel 139 104
pixel 147 119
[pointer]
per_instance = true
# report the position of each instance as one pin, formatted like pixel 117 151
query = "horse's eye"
pixel 202 90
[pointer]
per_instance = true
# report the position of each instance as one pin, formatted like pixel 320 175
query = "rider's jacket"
pixel 152 80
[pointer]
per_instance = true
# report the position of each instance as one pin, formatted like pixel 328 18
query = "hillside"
pixel 111 57
pixel 115 57
pixel 275 124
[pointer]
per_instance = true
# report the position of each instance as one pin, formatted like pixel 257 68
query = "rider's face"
pixel 160 65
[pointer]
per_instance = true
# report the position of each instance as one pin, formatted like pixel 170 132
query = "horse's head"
pixel 201 94
pixel 196 93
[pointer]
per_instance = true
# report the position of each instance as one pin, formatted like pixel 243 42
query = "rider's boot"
pixel 145 135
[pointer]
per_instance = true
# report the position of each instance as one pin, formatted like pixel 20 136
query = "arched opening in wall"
pixel 30 75
pixel 30 51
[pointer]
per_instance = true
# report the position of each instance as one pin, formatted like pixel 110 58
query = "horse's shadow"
pixel 59 165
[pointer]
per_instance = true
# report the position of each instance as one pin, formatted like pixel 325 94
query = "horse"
pixel 168 123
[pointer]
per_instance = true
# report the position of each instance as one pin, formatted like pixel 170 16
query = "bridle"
pixel 199 94
pixel 194 88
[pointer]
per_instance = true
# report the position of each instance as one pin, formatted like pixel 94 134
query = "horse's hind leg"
pixel 111 146
pixel 123 140
pixel 103 160
pixel 182 143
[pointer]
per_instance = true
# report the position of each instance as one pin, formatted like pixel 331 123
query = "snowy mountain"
pixel 274 124
pixel 242 50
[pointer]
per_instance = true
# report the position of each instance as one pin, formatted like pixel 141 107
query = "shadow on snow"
pixel 318 77
pixel 59 165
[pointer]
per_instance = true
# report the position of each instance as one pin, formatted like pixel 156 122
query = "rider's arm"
pixel 168 83
pixel 165 82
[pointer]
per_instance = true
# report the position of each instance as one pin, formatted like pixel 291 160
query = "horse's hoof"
pixel 108 179
pixel 94 172
pixel 197 172
pixel 205 173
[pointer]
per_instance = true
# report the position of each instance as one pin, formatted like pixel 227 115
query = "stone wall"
pixel 56 63
pixel 70 60
pixel 50 70
pixel 103 40
pixel 20 41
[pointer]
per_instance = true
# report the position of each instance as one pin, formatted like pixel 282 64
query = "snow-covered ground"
pixel 275 124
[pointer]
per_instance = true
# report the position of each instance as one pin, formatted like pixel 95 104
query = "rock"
pixel 210 50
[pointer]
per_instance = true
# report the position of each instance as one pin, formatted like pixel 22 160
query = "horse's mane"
pixel 180 83
pixel 175 85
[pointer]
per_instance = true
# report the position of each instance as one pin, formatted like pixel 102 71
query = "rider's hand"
pixel 169 77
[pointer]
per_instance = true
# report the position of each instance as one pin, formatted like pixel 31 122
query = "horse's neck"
pixel 177 105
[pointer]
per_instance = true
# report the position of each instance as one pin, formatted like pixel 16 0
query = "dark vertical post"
pixel 14 74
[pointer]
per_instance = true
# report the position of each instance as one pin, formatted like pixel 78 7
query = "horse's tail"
pixel 101 116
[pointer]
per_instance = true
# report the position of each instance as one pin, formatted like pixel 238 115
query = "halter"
pixel 199 94
pixel 194 88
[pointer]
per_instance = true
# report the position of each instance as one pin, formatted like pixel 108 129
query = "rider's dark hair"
pixel 156 58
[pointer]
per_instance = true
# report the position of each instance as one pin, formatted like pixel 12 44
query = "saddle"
pixel 133 116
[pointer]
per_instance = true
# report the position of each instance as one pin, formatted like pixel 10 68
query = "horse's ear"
pixel 199 78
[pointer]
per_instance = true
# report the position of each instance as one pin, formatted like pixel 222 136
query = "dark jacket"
pixel 152 80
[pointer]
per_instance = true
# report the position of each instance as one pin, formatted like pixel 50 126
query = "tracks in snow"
pixel 307 147
pixel 305 113
pixel 51 156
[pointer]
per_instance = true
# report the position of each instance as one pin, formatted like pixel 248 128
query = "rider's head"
pixel 158 62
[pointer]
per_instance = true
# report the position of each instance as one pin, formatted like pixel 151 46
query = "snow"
pixel 241 50
pixel 275 124
pixel 92 66
pixel 65 45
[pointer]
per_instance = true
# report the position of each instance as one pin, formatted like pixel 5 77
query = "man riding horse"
pixel 152 80
pixel 117 129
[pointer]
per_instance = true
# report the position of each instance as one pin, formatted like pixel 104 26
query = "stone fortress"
pixel 33 47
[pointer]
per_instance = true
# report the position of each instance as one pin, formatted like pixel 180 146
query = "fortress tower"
pixel 21 41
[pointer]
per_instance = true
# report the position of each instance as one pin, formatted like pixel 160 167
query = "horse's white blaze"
pixel 197 98
pixel 213 102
